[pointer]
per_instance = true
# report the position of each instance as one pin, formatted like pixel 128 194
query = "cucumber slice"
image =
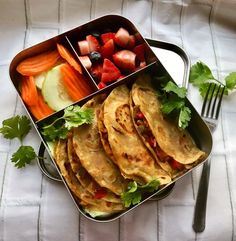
pixel 53 90
pixel 39 79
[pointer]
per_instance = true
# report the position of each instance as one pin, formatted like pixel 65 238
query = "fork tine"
pixel 219 103
pixel 211 98
pixel 214 103
pixel 205 100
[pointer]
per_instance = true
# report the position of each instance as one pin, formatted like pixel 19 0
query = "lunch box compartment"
pixel 197 128
pixel 109 23
pixel 40 48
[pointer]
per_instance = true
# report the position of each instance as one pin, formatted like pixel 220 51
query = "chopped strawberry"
pixel 125 59
pixel 131 42
pixel 93 43
pixel 121 77
pixel 108 49
pixel 122 37
pixel 83 47
pixel 107 36
pixel 140 64
pixel 101 85
pixel 96 71
pixel 176 165
pixel 139 50
pixel 85 61
pixel 110 71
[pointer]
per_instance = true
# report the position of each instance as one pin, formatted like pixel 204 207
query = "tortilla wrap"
pixel 85 198
pixel 171 143
pixel 132 157
pixel 89 149
pixel 85 179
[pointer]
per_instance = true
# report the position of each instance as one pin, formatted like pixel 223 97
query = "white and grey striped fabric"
pixel 33 208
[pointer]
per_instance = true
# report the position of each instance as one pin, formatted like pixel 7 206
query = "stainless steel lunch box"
pixel 155 66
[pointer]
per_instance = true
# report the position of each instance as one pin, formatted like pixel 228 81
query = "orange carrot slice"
pixel 70 83
pixel 65 54
pixel 75 83
pixel 39 63
pixel 41 109
pixel 29 92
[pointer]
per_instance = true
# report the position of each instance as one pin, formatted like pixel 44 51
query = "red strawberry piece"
pixel 83 47
pixel 139 50
pixel 110 72
pixel 108 49
pixel 141 64
pixel 93 43
pixel 85 60
pixel 125 59
pixel 107 36
pixel 121 77
pixel 96 71
pixel 131 42
pixel 122 37
pixel 101 85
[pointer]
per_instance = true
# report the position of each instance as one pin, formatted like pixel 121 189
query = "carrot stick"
pixel 78 80
pixel 41 109
pixel 65 54
pixel 39 63
pixel 70 84
pixel 29 92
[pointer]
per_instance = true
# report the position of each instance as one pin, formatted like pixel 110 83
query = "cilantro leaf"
pixel 184 117
pixel 173 101
pixel 201 77
pixel 24 155
pixel 200 73
pixel 230 80
pixel 53 132
pixel 169 106
pixel 179 91
pixel 15 127
pixel 135 192
pixel 75 116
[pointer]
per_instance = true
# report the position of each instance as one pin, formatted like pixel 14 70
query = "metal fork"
pixel 210 113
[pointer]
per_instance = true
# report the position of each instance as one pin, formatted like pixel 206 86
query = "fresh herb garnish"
pixel 15 127
pixel 201 76
pixel 135 192
pixel 174 102
pixel 18 127
pixel 24 155
pixel 74 116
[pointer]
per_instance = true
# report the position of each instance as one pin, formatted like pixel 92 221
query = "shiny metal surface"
pixel 155 65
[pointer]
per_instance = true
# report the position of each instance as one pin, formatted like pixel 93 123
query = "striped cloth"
pixel 34 208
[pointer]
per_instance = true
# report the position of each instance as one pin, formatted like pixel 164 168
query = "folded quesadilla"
pixel 134 160
pixel 89 149
pixel 85 198
pixel 85 179
pixel 172 147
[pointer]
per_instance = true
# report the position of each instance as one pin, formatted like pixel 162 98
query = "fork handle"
pixel 201 202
